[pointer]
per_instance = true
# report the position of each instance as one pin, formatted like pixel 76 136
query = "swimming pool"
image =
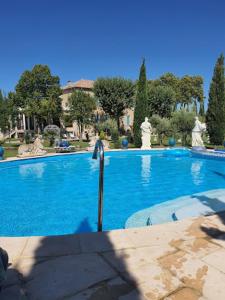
pixel 59 194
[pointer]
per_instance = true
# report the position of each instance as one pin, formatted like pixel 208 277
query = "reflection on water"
pixel 196 171
pixel 145 168
pixel 94 163
pixel 32 170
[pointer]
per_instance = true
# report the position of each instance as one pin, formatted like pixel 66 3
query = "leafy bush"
pixel 102 135
pixel 161 100
pixel 162 126
pixel 107 126
pixel 51 132
pixel 27 137
pixel 115 138
pixel 183 122
pixel 130 137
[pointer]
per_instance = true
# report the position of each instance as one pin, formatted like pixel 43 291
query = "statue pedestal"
pixel 146 140
pixel 146 147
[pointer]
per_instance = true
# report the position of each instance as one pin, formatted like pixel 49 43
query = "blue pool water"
pixel 58 195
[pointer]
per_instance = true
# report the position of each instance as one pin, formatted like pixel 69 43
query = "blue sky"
pixel 88 39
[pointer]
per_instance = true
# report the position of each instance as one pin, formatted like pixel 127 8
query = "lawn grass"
pixel 10 153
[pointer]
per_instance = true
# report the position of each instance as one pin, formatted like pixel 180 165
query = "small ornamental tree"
pixel 114 95
pixel 161 100
pixel 162 126
pixel 37 94
pixel 183 122
pixel 81 108
pixel 215 116
pixel 141 105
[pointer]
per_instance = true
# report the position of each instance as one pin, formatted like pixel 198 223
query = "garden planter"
pixel 124 143
pixel 172 142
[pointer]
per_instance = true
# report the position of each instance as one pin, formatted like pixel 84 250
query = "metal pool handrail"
pixel 100 147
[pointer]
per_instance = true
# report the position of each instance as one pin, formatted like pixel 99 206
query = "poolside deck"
pixel 181 260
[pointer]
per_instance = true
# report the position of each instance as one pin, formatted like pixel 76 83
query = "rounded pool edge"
pixel 13 159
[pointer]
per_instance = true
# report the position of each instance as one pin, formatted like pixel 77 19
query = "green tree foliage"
pixel 4 121
pixel 188 91
pixel 108 126
pixel 81 107
pixel 8 112
pixel 141 105
pixel 172 81
pixel 215 116
pixel 37 93
pixel 202 109
pixel 191 91
pixel 114 96
pixel 183 123
pixel 161 100
pixel 162 126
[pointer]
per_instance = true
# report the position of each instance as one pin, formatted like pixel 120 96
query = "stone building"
pixel 71 130
pixel 87 86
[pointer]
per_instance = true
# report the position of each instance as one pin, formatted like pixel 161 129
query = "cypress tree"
pixel 141 105
pixel 202 109
pixel 215 117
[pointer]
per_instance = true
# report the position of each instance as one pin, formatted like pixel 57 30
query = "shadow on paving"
pixel 72 267
pixel 214 204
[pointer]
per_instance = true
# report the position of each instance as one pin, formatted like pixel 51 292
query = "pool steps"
pixel 204 203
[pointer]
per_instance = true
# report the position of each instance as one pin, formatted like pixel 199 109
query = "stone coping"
pixel 211 154
pixel 174 261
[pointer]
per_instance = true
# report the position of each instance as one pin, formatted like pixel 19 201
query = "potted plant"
pixel 172 142
pixel 125 143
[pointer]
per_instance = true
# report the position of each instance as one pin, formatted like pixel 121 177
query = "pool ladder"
pixel 99 147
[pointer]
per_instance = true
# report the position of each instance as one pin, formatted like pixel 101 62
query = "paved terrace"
pixel 182 260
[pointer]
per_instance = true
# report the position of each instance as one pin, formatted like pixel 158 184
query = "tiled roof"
pixel 82 83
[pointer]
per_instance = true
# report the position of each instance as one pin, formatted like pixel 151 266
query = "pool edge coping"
pixel 12 159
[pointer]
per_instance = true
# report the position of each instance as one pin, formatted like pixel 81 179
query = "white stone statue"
pixel 197 133
pixel 146 130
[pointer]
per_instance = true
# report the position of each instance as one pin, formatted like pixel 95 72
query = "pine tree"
pixel 215 117
pixel 141 105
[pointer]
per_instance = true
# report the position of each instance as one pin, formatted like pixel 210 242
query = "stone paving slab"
pixel 131 259
pixel 14 246
pixel 216 260
pixel 154 281
pixel 105 241
pixel 52 246
pixel 12 293
pixel 112 289
pixel 66 275
pixel 181 260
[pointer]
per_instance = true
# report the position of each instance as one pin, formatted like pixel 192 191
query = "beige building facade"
pixel 87 86
pixel 71 130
